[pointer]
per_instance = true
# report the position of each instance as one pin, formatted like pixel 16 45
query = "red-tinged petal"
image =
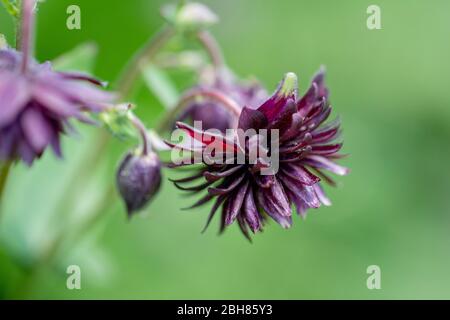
pixel 326 149
pixel 286 92
pixel 208 138
pixel 307 102
pixel 324 135
pixel 300 173
pixel 284 120
pixel 316 121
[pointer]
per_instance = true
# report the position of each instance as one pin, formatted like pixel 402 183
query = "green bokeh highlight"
pixel 391 88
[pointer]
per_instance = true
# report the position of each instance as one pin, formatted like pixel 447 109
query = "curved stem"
pixel 212 48
pixel 26 34
pixel 147 53
pixel 214 95
pixel 137 123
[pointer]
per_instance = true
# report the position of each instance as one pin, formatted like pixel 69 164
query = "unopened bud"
pixel 192 15
pixel 138 179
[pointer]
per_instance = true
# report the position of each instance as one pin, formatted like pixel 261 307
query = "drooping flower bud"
pixel 138 179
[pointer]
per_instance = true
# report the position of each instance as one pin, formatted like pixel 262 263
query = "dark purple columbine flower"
pixel 307 148
pixel 36 102
pixel 138 179
pixel 211 113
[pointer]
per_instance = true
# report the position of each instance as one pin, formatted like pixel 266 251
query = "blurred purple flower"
pixel 36 103
pixel 307 148
pixel 211 113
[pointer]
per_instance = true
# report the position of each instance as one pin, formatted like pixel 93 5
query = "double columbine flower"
pixel 36 102
pixel 306 149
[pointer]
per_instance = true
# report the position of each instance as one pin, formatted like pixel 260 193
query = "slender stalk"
pixel 212 48
pixel 140 127
pixel 210 94
pixel 147 53
pixel 26 34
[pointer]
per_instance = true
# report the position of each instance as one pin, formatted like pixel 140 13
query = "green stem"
pixel 4 172
pixel 144 55
pixel 140 127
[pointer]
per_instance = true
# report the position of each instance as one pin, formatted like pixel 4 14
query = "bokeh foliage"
pixel 391 88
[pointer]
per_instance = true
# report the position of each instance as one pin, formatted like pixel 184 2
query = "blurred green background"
pixel 391 88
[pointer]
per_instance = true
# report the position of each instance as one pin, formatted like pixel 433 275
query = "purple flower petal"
pixel 37 129
pixel 300 173
pixel 324 163
pixel 236 203
pixel 14 95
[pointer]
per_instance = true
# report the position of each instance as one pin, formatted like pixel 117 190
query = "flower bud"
pixel 138 179
pixel 190 16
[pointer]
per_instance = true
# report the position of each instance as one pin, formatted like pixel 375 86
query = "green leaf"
pixel 81 58
pixel 12 7
pixel 160 85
